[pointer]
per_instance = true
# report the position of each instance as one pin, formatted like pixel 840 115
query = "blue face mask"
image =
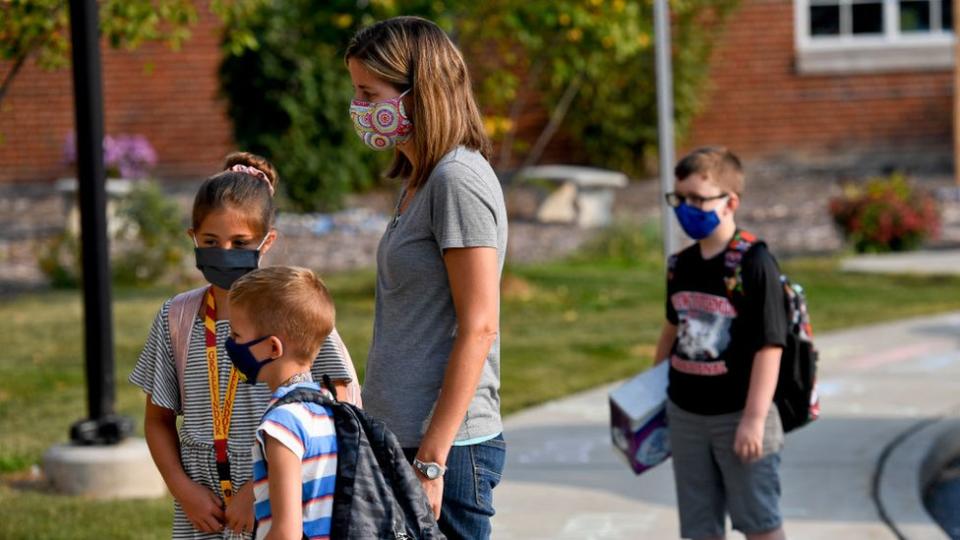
pixel 243 359
pixel 697 223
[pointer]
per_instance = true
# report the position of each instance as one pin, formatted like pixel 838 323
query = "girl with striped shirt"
pixel 207 464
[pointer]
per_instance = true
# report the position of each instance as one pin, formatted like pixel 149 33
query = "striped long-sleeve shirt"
pixel 307 429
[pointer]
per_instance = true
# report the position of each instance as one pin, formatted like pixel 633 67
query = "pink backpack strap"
pixel 353 389
pixel 183 309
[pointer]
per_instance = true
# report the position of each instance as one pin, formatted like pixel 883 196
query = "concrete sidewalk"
pixel 880 386
pixel 944 262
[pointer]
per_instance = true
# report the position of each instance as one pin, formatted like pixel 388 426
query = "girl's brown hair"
pixel 414 53
pixel 252 160
pixel 241 191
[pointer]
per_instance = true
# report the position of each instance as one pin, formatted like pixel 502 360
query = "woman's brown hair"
pixel 414 53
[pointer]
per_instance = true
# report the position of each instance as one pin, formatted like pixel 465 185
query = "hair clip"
pixel 255 172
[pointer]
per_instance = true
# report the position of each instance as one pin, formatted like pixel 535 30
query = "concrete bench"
pixel 117 189
pixel 580 195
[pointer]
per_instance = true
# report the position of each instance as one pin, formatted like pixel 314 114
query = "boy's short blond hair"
pixel 718 163
pixel 289 302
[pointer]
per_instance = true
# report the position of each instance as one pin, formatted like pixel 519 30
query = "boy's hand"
pixel 748 443
pixel 239 515
pixel 202 507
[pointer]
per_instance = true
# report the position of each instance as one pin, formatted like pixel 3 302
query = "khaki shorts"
pixel 711 480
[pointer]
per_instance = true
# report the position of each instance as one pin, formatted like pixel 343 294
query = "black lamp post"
pixel 103 426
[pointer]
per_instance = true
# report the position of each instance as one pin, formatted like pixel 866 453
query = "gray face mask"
pixel 222 267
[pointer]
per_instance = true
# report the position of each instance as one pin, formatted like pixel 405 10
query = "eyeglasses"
pixel 674 199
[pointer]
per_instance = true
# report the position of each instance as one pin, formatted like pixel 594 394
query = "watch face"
pixel 431 470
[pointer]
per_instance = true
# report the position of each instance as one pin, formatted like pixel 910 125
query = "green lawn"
pixel 567 326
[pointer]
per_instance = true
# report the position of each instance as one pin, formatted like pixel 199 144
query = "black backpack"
pixel 377 494
pixel 796 396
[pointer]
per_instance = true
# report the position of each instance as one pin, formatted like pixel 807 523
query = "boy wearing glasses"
pixel 723 337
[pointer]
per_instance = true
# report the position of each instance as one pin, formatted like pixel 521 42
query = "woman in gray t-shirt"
pixel 433 374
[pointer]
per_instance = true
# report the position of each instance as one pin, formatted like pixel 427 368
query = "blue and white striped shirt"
pixel 307 429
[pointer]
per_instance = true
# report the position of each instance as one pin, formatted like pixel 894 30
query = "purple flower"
pixel 112 152
pixel 70 149
pixel 129 156
pixel 135 157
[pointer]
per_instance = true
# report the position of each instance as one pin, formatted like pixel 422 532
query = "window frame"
pixel 893 50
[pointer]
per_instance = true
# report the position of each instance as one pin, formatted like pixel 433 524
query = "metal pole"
pixel 956 92
pixel 102 426
pixel 661 19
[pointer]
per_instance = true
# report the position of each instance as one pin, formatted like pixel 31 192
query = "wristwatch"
pixel 429 469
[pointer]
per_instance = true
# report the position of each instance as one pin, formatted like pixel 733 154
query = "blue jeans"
pixel 472 473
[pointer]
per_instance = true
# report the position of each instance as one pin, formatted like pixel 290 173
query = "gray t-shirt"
pixel 461 205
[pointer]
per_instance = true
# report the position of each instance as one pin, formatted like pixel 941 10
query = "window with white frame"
pixel 873 35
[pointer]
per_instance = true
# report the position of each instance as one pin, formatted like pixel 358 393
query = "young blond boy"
pixel 279 318
pixel 723 337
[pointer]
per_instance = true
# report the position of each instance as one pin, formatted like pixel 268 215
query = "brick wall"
pixel 755 103
pixel 758 105
pixel 171 97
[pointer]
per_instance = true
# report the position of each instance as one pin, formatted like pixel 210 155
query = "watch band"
pixel 429 469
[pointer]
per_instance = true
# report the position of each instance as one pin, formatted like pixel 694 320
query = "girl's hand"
pixel 239 515
pixel 202 507
pixel 749 439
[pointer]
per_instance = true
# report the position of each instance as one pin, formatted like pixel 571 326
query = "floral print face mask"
pixel 381 125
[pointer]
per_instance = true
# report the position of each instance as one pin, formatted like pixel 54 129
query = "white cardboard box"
pixel 638 420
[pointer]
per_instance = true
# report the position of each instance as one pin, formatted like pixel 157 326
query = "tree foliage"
pixel 596 59
pixel 289 99
pixel 588 64
pixel 39 29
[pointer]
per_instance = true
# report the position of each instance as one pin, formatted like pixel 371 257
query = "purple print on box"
pixel 644 446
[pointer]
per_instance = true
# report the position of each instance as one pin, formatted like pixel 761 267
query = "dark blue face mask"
pixel 243 359
pixel 222 267
pixel 697 223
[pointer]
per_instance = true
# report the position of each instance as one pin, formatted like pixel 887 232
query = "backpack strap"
pixel 353 389
pixel 183 308
pixel 671 266
pixel 733 260
pixel 303 395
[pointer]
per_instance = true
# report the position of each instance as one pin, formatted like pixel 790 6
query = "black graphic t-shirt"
pixel 717 335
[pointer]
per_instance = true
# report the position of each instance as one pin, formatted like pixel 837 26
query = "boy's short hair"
pixel 289 302
pixel 719 163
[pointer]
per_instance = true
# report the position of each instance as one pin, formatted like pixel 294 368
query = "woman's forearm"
pixel 475 287
pixel 470 350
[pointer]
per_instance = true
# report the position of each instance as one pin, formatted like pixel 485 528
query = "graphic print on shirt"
pixel 703 332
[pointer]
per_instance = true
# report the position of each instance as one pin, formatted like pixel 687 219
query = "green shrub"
pixel 59 260
pixel 632 244
pixel 153 241
pixel 886 214
pixel 289 98
pixel 148 246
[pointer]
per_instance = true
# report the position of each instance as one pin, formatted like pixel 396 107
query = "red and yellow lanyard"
pixel 221 415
